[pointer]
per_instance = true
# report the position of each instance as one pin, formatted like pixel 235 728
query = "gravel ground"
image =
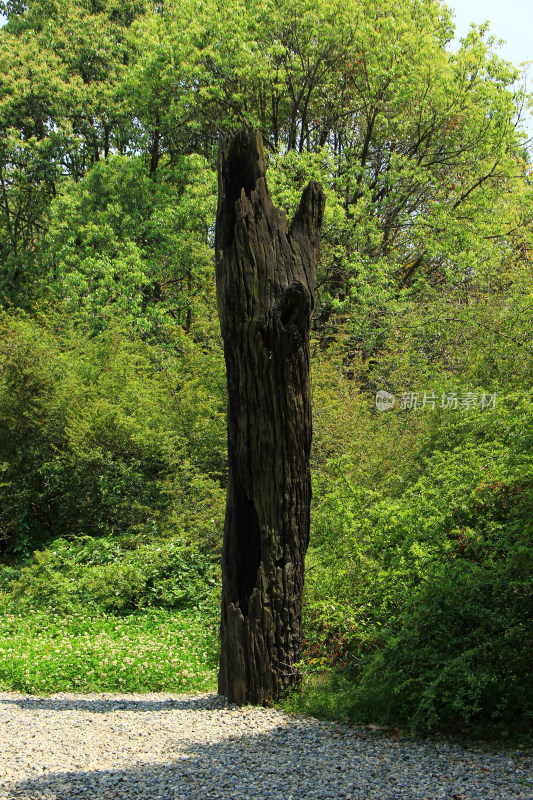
pixel 176 747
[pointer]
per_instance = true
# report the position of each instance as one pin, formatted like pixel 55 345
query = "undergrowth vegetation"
pixel 44 652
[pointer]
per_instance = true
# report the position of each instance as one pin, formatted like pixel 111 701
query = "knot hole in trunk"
pixel 294 307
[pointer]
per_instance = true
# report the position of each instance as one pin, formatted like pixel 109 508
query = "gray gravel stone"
pixel 177 747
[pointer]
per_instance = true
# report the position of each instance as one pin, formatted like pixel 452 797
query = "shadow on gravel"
pixel 299 760
pixel 103 705
pixel 282 765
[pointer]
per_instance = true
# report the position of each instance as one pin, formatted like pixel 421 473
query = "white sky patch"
pixel 511 20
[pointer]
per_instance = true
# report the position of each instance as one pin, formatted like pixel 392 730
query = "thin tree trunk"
pixel 265 290
pixel 154 150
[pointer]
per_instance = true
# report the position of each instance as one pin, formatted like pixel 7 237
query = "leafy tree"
pixel 120 243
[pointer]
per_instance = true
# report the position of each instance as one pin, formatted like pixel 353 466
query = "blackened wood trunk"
pixel 265 276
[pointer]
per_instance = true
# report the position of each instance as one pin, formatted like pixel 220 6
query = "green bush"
pixel 107 575
pixel 429 595
pixel 108 436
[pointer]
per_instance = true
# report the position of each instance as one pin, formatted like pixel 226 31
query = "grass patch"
pixel 327 694
pixel 43 653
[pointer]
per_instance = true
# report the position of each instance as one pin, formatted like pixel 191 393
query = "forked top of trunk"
pixel 241 164
pixel 262 266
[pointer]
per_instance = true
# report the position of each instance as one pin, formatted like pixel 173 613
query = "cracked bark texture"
pixel 265 276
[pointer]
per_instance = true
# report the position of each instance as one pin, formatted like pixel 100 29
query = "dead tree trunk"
pixel 265 276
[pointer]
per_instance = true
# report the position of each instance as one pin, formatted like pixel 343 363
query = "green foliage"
pixel 433 605
pixel 102 437
pixel 120 244
pixel 418 143
pixel 112 576
pixel 156 651
pixel 327 693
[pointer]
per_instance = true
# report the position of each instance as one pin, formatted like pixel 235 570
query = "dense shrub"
pixel 429 595
pixel 109 575
pixel 107 436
